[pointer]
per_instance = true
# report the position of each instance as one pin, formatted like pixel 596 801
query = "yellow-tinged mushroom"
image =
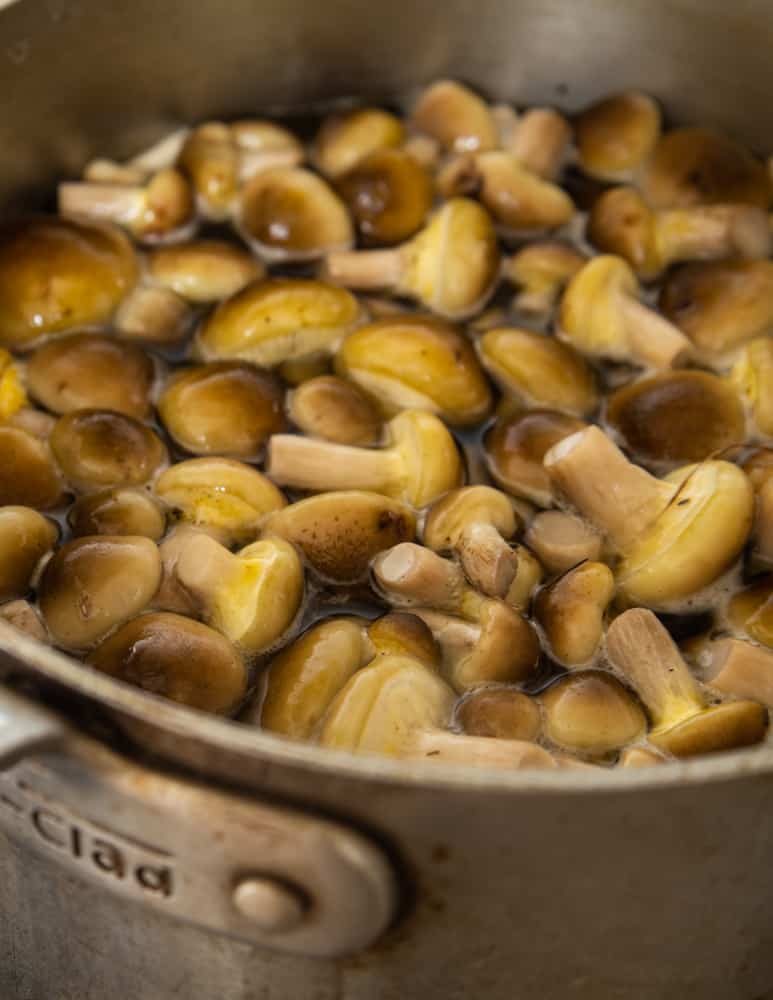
pixel 617 135
pixel 640 756
pixel 12 395
pixel 456 117
pixel 28 473
pixel 562 540
pixel 541 271
pixel 346 139
pixel 331 408
pixel 750 611
pixel 203 271
pixel 25 538
pixel 529 573
pixel 151 314
pixel 738 668
pixel 118 511
pixel 539 139
pixel 752 375
pixel 499 713
pixel 571 611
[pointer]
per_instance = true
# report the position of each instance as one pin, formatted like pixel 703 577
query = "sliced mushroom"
pixel 752 375
pixel 344 140
pixel 617 135
pixel 541 271
pixel 417 363
pixel 539 140
pixel 25 618
pixel 641 648
pixel 571 611
pixel 456 117
pixel 499 713
pixel 118 511
pixel 591 712
pixel 331 408
pixel 203 271
pixel 419 463
pixel 153 315
pixel 28 475
pixel 25 538
pixel 176 657
pixel 13 397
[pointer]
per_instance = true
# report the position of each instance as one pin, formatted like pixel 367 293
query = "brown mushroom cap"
pixel 591 712
pixel 499 712
pixel 176 657
pixel 456 117
pixel 344 140
pixel 28 475
pixel 118 511
pixel 204 271
pixel 615 136
pixel 571 611
pixel 329 407
pixel 99 448
pixel 224 408
pixel 25 537
pixel 404 634
pixel 90 370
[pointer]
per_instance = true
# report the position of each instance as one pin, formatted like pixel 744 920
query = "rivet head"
pixel 273 907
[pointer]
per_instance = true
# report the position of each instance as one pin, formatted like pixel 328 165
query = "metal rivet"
pixel 273 907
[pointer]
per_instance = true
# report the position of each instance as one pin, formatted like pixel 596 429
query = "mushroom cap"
pixel 176 657
pixel 615 136
pixel 452 265
pixel 339 533
pixel 210 157
pixel 681 416
pixel 622 223
pixel 591 712
pixel 450 516
pixel 167 205
pixel 729 726
pixel 750 611
pixel 417 362
pixel 698 166
pixel 590 316
pixel 260 136
pixel 506 651
pixel 28 475
pixel 91 370
pixel 117 511
pixel 429 459
pixel 93 584
pixel 204 271
pixel 758 466
pixel 456 117
pixel 517 198
pixel 752 375
pixel 305 677
pixel 403 634
pixel 346 139
pixel 289 213
pixel 389 194
pixel 331 408
pixel 220 494
pixel 571 612
pixel 223 408
pixel 542 270
pixel 499 713
pixel 99 448
pixel 60 274
pixel 25 537
pixel 13 397
pixel 539 369
pixel 279 319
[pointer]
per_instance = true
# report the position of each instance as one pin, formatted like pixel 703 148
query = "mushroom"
pixel 340 533
pixel 475 523
pixel 252 597
pixel 24 618
pixel 344 140
pixel 224 408
pixel 58 275
pixel 514 447
pixel 91 370
pixel 28 475
pixel 161 207
pixel 528 576
pixel 562 540
pixel 419 463
pixel 762 534
pixel 455 117
pixel 300 370
pixel 153 315
pixel 617 135
pixel 698 166
pixel 220 495
pixel 13 397
pixel 640 756
pixel 681 416
pixel 750 612
pixel 32 421
pixel 278 320
pixel 621 222
pixel 451 266
pixel 499 713
pixel 389 195
pixel 177 658
pixel 94 584
pixel 675 535
pixel 601 316
pixel 402 634
pixel 118 511
pixel 541 271
pixel 738 668
pixel 291 214
pixel 418 363
pixel 25 538
pixel 161 154
pixel 590 712
pixel 720 305
pixel 539 140
pixel 204 271
pixel 99 448
pixel 758 465
pixel 641 648
pixel 752 375
pixel 539 370
pixel 331 408
pixel 571 611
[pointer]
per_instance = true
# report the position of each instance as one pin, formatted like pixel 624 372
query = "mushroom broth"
pixel 372 437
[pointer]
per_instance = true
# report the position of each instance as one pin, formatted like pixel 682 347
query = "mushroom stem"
pixel 605 487
pixel 311 464
pixel 161 154
pixel 478 750
pixel 653 339
pixel 365 269
pixel 487 559
pixel 741 669
pixel 539 141
pixel 413 575
pixel 112 202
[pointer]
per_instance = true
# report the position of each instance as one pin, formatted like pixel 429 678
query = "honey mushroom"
pixel 118 511
pixel 29 476
pixel 482 639
pixel 152 315
pixel 25 538
pixel 455 117
pixel 739 668
pixel 419 463
pixel 749 613
pixel 331 408
pixel 539 370
pixel 389 196
pixel 278 320
pixel 177 658
pixel 571 612
pixel 682 416
pixel 13 397
pixel 621 222
pixel 162 154
pixel 93 584
pixel 591 713
pixel 640 756
pixel 91 371
pixel 616 136
pixel 640 647
pixel 529 573
pixel 762 533
pixel 450 266
pixel 539 139
pixel 602 316
pixel 675 535
pixel 541 272
pixel 101 448
pixel 339 533
pixel 562 540
pixel 252 596
pixel 25 618
pixel 752 375
pixel 203 271
pixel 418 363
pixel 227 408
pixel 344 140
pixel 514 447
pixel 499 713
pixel 475 523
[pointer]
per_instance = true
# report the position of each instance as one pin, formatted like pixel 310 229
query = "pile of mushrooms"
pixel 375 439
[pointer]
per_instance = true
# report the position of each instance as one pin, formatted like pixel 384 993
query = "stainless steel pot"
pixel 148 852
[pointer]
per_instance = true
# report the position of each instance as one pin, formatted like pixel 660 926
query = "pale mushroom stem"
pixel 742 669
pixel 436 744
pixel 310 464
pixel 488 561
pixel 616 495
pixel 412 574
pixel 653 340
pixel 708 232
pixel 110 172
pixel 365 268
pixel 111 202
pixel 161 154
pixel 540 140
pixel 640 646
